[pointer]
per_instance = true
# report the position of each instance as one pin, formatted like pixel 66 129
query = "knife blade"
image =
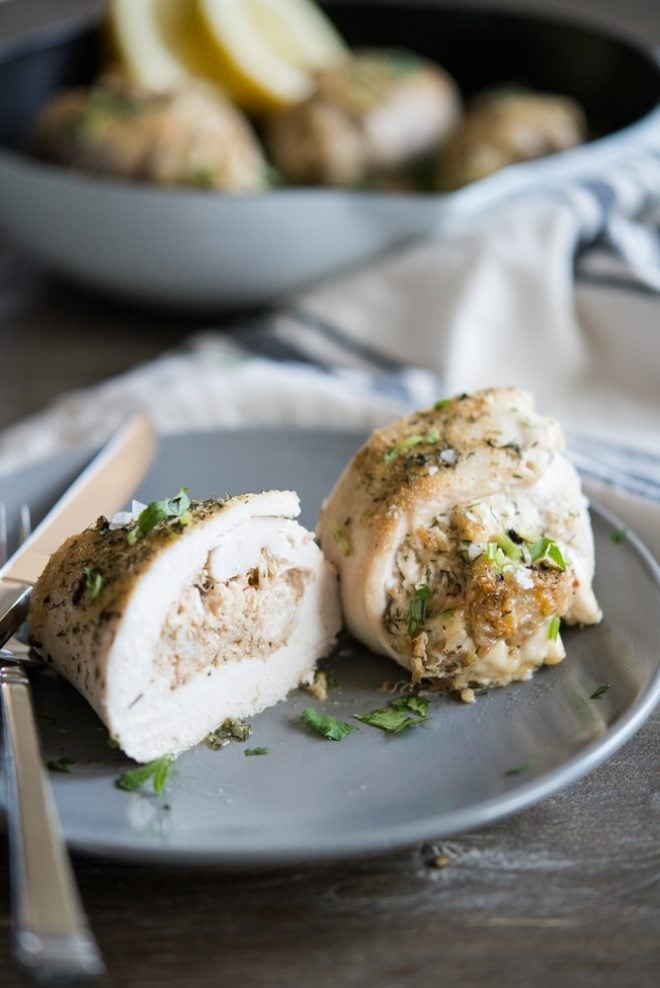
pixel 103 488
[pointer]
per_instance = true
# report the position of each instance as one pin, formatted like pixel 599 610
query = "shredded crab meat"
pixel 250 615
pixel 474 622
pixel 427 558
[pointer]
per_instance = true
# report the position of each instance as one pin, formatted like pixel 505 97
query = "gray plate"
pixel 311 799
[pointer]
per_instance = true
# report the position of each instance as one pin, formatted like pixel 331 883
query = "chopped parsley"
pixel 519 769
pixel 496 555
pixel 619 535
pixel 157 771
pixel 504 551
pixel 600 691
pixel 415 703
pixel 340 535
pixel 229 730
pixel 331 682
pixel 256 751
pixel 431 437
pixel 104 105
pixel 326 725
pixel 508 546
pixel 113 102
pixel 399 447
pixel 202 177
pixel 399 714
pixel 418 609
pixel 61 765
pixel 403 61
pixel 439 405
pixel 157 511
pixel 546 552
pixel 93 581
pixel 272 176
pixel 553 628
pixel 511 548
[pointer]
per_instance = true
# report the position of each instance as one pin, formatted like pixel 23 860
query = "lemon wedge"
pixel 139 42
pixel 264 51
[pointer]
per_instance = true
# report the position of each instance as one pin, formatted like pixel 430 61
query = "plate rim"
pixel 403 835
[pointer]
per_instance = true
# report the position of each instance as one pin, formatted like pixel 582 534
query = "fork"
pixel 52 939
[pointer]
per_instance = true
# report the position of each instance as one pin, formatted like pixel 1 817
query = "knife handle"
pixel 52 939
pixel 14 603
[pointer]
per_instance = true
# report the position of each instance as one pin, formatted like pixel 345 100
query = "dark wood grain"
pixel 566 893
pixel 55 338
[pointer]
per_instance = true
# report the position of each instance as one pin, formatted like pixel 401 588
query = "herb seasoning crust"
pixel 187 615
pixel 462 540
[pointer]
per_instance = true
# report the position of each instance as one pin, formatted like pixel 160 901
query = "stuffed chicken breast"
pixel 190 136
pixel 462 539
pixel 175 619
pixel 374 113
pixel 503 127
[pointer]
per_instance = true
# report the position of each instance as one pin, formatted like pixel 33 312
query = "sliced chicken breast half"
pixel 215 612
pixel 462 538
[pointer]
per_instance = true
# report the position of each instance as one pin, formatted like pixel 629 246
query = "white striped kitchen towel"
pixel 555 293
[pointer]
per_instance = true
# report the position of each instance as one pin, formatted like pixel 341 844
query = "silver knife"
pixel 101 489
pixel 52 937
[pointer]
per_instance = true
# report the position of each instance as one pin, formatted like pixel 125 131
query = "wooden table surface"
pixel 565 893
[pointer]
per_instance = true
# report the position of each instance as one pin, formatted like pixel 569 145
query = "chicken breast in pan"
pixel 507 126
pixel 462 539
pixel 189 613
pixel 376 112
pixel 190 136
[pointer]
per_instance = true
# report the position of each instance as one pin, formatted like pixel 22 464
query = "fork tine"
pixel 3 534
pixel 24 529
pixel 51 932
pixel 18 642
pixel 25 523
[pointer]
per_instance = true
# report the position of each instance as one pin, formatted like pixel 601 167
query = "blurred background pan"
pixel 196 250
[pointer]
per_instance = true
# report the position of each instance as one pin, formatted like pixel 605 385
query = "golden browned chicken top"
pixel 505 126
pixel 189 136
pixel 462 538
pixel 375 112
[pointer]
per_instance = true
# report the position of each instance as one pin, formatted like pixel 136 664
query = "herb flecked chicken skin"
pixel 175 619
pixel 462 540
pixel 505 126
pixel 190 136
pixel 375 113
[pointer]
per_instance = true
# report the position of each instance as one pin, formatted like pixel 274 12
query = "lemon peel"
pixel 265 51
